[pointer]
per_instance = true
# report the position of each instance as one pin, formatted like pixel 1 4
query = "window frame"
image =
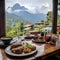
pixel 2 17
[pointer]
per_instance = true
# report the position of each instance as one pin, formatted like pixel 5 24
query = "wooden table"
pixel 44 50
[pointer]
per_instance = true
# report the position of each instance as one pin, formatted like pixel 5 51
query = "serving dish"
pixel 39 40
pixel 9 52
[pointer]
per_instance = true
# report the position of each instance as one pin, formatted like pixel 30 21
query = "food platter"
pixel 29 36
pixel 39 41
pixel 9 52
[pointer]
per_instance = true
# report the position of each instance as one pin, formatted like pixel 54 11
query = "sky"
pixel 33 6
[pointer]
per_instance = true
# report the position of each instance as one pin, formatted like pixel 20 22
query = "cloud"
pixel 9 10
pixel 44 8
pixel 33 6
pixel 16 8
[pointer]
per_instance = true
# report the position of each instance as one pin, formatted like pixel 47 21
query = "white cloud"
pixel 46 5
pixel 34 6
pixel 44 8
pixel 17 10
pixel 9 10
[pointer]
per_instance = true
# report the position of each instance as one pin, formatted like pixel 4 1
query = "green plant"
pixel 11 33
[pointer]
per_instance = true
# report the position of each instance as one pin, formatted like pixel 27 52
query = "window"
pixel 23 16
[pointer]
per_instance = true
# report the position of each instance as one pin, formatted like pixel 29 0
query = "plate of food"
pixel 39 40
pixel 20 50
pixel 29 36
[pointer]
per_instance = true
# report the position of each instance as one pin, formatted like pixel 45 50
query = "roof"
pixel 28 25
pixel 39 23
pixel 34 31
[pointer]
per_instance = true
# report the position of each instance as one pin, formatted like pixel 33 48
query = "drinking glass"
pixel 47 37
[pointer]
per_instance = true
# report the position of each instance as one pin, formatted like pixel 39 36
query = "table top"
pixel 43 50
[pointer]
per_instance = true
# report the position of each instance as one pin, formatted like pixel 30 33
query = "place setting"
pixel 29 36
pixel 22 48
pixel 18 48
pixel 6 41
pixel 41 38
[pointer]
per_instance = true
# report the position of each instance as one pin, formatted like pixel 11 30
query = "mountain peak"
pixel 17 6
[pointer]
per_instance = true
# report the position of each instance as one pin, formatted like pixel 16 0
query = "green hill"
pixel 11 18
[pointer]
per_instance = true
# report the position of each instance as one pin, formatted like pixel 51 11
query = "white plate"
pixel 8 51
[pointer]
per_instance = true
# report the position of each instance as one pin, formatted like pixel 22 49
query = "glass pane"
pixel 23 16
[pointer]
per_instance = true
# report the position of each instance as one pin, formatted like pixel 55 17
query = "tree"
pixel 49 16
pixel 11 33
pixel 19 27
pixel 42 20
pixel 8 27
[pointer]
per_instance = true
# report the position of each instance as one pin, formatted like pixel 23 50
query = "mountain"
pixel 11 18
pixel 22 12
pixel 17 7
pixel 33 18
